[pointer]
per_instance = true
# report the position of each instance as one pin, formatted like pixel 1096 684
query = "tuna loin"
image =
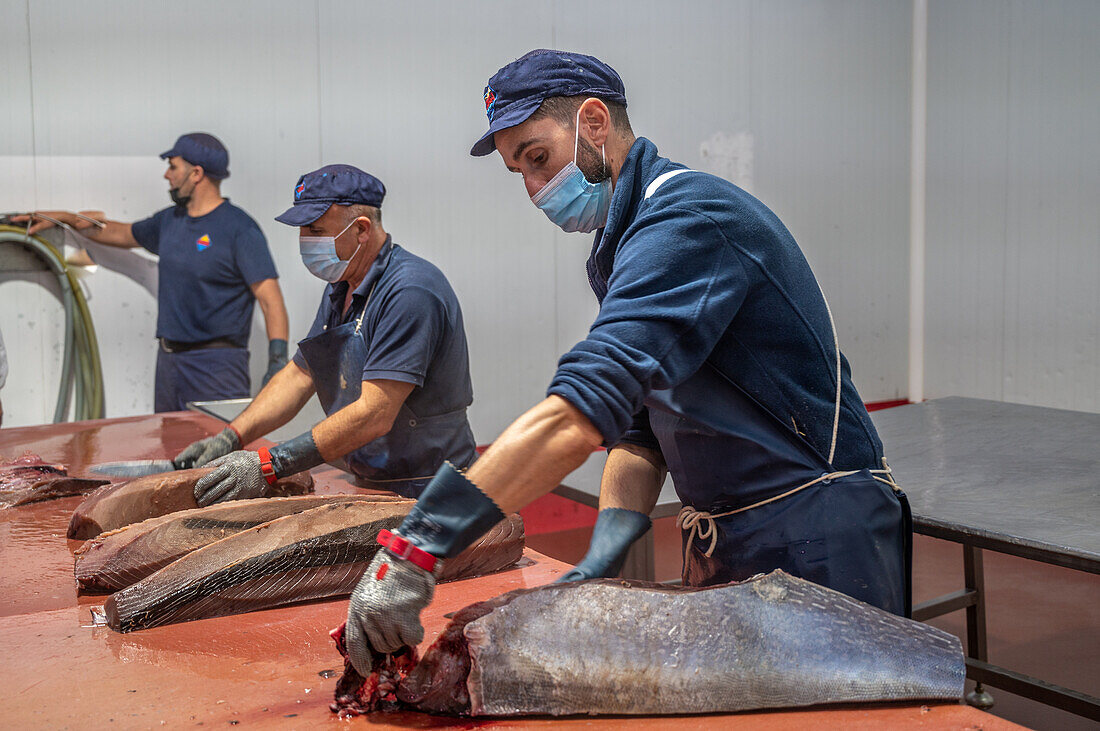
pixel 118 505
pixel 617 647
pixel 116 559
pixel 28 479
pixel 314 554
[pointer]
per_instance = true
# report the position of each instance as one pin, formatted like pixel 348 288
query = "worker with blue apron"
pixel 386 356
pixel 713 356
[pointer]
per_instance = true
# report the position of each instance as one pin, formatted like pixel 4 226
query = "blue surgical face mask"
pixel 320 257
pixel 572 202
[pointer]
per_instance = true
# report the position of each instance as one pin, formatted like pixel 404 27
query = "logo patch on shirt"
pixel 490 102
pixel 299 190
pixel 203 242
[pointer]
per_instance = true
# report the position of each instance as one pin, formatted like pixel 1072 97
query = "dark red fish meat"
pixel 114 506
pixel 314 554
pixel 28 479
pixel 119 558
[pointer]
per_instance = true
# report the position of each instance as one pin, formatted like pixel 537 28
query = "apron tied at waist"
pixel 700 523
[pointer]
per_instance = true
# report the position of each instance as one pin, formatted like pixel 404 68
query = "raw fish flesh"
pixel 28 479
pixel 118 558
pixel 118 505
pixel 314 554
pixel 608 646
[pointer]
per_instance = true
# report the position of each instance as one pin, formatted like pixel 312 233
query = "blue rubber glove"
pixel 616 530
pixel 384 612
pixel 276 358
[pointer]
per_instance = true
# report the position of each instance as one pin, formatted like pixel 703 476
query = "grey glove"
pixel 206 450
pixel 236 476
pixel 384 613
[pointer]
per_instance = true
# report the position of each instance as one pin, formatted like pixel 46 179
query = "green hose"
pixel 84 374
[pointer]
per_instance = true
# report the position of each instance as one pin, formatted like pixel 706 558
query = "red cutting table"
pixel 275 668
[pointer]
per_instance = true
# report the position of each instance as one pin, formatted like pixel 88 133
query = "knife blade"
pixel 133 468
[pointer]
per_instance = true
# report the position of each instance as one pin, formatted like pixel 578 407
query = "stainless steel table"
pixel 1021 480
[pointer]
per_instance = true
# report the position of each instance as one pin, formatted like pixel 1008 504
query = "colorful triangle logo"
pixel 203 242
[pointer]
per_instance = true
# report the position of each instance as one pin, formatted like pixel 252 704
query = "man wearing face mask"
pixel 386 356
pixel 713 356
pixel 214 265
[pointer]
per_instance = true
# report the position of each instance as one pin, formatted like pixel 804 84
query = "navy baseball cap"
pixel 206 151
pixel 516 91
pixel 346 185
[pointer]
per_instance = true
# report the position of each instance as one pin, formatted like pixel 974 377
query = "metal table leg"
pixel 976 648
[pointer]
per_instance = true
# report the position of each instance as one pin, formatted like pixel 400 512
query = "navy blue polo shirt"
pixel 207 266
pixel 700 283
pixel 412 328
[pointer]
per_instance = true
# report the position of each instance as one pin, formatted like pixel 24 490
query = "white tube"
pixel 917 181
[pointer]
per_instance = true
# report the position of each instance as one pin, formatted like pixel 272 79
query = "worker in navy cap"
pixel 713 356
pixel 386 357
pixel 214 265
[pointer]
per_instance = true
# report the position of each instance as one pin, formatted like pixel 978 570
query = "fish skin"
pixel 315 554
pixel 123 503
pixel 115 559
pixel 616 647
pixel 29 479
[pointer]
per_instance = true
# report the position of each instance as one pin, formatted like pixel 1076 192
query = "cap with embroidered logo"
pixel 516 91
pixel 204 150
pixel 345 185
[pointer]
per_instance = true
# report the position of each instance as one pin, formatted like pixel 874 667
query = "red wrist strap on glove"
pixel 401 548
pixel 266 468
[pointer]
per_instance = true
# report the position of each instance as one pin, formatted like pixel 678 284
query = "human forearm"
pixel 111 233
pixel 534 454
pixel 632 478
pixel 273 307
pixel 276 404
pixel 362 421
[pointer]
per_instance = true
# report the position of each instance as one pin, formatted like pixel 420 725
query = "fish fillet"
pixel 28 479
pixel 314 554
pixel 118 505
pixel 617 647
pixel 118 558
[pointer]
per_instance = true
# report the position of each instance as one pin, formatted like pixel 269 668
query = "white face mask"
pixel 572 202
pixel 320 257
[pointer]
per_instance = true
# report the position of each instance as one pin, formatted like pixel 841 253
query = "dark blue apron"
pixel 405 459
pixel 788 507
pixel 848 530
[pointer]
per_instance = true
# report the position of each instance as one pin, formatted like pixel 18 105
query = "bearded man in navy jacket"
pixel 714 356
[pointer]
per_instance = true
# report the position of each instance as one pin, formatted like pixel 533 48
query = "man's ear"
pixel 595 121
pixel 364 225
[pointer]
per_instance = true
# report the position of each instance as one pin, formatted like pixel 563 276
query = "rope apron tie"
pixel 700 524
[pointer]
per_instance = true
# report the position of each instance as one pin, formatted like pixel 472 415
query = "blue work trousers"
pixel 209 374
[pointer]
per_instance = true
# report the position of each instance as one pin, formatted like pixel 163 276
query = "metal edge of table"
pixel 1034 550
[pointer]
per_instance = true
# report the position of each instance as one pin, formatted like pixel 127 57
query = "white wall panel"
pixel 823 89
pixel 402 99
pixel 114 85
pixel 1014 176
